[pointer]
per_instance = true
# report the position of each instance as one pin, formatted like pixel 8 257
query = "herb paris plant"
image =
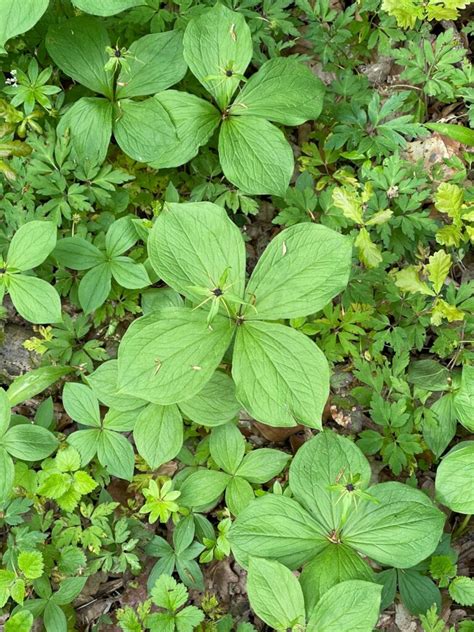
pixel 281 377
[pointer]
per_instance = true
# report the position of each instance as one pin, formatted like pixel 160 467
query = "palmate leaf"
pixel 156 62
pixel 300 271
pixel 283 91
pixel 78 47
pixel 282 377
pixel 168 357
pixel 193 245
pixel 19 17
pixel 217 41
pixel 255 155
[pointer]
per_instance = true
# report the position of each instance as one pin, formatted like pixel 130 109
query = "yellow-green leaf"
pixel 408 280
pixel 349 203
pixel 438 269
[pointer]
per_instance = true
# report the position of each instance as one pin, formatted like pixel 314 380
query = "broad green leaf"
pixel 438 269
pixel 388 530
pixel 259 466
pixel 369 253
pixel 119 420
pixel 21 621
pixel 216 43
pixel 103 382
pixel 321 462
pixel 7 474
pixel 31 244
pixel 281 376
pixel 115 453
pixel 33 382
pixel 85 442
pixel 464 398
pixel 142 128
pixel 238 494
pixel 106 7
pixel 129 274
pixel 276 527
pixel 429 375
pixel 408 280
pixel 158 434
pixel 455 479
pixel 440 427
pixel 94 287
pixel 332 566
pixel 120 237
pixel 227 447
pixel 5 412
pixel 418 592
pixel 255 155
pixel 461 590
pixel 195 121
pixel 462 134
pixel 89 123
pixel 169 357
pixel 351 606
pixel 69 589
pixel 78 253
pixel 54 618
pixel 300 271
pixel 78 47
pixel 215 404
pixel 19 17
pixel 81 404
pixel 284 91
pixel 156 62
pixel 350 203
pixel 29 442
pixel 31 564
pixel 193 245
pixel 275 594
pixel 203 488
pixel 34 299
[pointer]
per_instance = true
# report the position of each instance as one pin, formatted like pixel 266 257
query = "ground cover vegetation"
pixel 237 296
